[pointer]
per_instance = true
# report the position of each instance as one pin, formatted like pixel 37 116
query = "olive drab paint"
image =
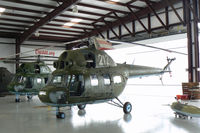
pixel 89 75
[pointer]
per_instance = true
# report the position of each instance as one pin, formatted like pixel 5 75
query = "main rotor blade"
pixel 20 62
pixel 144 45
pixel 30 59
pixel 39 56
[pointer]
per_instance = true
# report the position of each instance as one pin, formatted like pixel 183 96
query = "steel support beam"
pixel 57 11
pixel 131 17
pixel 191 14
pixel 151 8
pixel 17 51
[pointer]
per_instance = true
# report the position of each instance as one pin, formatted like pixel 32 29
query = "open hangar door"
pixel 128 20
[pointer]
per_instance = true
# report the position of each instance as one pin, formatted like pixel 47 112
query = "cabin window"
pixel 57 79
pixel 94 80
pixel 106 78
pixel 117 79
pixel 39 81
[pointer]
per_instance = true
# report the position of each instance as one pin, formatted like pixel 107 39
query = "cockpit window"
pixel 19 79
pixel 44 69
pixel 57 80
pixel 117 79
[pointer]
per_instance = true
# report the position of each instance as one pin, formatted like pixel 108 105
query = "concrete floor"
pixel 150 114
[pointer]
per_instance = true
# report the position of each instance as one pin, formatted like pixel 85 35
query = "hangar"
pixel 49 27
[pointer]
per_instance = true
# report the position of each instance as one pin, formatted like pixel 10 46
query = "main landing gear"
pixel 127 107
pixel 182 116
pixel 59 115
pixel 29 97
pixel 17 99
pixel 81 106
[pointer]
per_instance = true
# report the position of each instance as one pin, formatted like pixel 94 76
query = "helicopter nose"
pixel 53 95
pixel 43 96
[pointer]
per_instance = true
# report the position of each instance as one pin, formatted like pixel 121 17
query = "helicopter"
pixel 30 77
pixel 5 78
pixel 89 75
pixel 184 111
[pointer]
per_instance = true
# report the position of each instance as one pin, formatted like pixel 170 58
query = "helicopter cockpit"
pixel 73 83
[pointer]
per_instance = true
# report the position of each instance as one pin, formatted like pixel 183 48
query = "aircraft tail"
pixel 167 67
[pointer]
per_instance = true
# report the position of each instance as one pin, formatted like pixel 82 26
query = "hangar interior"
pixel 49 27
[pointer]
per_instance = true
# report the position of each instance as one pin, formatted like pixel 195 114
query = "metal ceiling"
pixel 69 20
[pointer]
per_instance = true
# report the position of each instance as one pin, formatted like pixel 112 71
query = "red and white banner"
pixel 44 52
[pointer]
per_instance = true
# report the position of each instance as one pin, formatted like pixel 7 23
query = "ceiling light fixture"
pixel 69 24
pixel 72 22
pixel 114 0
pixel 75 9
pixel 2 9
pixel 77 20
pixel 37 34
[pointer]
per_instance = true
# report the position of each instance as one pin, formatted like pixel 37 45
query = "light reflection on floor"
pixel 150 114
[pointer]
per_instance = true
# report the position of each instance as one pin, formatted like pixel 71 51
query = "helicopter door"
pixel 29 82
pixel 76 86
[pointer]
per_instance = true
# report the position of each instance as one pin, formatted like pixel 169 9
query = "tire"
pixel 60 115
pixel 127 108
pixel 81 106
pixel 29 97
pixel 17 100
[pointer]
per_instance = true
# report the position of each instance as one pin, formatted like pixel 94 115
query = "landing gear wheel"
pixel 17 100
pixel 60 115
pixel 81 106
pixel 127 107
pixel 29 97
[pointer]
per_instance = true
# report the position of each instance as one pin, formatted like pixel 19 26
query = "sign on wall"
pixel 44 52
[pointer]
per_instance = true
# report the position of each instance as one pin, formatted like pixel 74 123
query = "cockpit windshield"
pixel 19 79
pixel 57 79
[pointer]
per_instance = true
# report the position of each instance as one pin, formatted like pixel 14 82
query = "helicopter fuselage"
pixel 83 86
pixel 89 76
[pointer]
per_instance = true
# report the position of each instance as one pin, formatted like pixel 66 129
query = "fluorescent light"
pixel 76 20
pixel 2 10
pixel 72 22
pixel 68 24
pixel 115 0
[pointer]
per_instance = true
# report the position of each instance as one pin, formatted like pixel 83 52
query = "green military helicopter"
pixel 30 77
pixel 89 75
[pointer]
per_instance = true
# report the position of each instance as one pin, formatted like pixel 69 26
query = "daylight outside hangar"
pixel 142 32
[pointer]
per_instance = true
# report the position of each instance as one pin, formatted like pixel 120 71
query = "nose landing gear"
pixel 81 106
